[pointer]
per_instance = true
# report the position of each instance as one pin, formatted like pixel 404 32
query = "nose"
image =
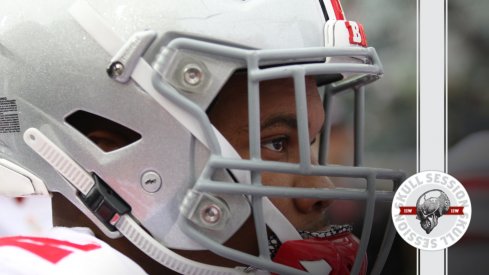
pixel 311 205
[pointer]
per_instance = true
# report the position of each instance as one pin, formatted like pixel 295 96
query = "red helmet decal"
pixel 356 33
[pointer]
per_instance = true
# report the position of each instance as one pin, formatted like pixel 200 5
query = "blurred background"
pixel 468 127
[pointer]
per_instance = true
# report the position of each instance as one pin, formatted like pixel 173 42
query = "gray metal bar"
pixel 302 119
pixel 367 225
pixel 294 168
pixel 359 123
pixel 271 54
pixel 255 153
pixel 278 191
pixel 313 69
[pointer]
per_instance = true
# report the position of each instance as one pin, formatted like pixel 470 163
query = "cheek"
pixel 274 179
pixel 285 205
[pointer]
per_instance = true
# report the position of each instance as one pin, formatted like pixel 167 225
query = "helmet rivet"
pixel 151 182
pixel 211 214
pixel 115 69
pixel 192 74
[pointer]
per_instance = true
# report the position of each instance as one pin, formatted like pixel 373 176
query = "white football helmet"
pixel 151 69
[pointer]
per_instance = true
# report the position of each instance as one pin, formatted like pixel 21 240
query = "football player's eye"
pixel 276 144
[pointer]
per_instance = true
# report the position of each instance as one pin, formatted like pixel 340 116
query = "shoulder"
pixel 62 251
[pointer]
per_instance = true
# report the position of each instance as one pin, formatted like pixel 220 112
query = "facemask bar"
pixel 253 60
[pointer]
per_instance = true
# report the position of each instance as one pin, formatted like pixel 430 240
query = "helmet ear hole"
pixel 106 134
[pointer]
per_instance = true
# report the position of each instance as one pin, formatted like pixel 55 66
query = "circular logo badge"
pixel 431 210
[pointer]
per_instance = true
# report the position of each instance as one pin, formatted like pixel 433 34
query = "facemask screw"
pixel 115 69
pixel 211 214
pixel 192 74
pixel 151 182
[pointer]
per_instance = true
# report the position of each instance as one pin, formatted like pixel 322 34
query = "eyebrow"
pixel 289 120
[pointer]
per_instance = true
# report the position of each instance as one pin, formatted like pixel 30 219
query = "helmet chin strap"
pixel 139 237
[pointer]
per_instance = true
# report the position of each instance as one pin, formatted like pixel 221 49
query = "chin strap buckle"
pixel 104 203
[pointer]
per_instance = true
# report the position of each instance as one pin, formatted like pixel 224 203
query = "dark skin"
pixel 279 142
